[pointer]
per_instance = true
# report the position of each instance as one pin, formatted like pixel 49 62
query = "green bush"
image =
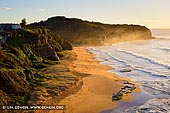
pixel 12 82
pixel 57 47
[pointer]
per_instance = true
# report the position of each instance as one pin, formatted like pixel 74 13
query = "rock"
pixel 125 70
pixel 117 96
pixel 46 51
pixel 67 45
pixel 128 88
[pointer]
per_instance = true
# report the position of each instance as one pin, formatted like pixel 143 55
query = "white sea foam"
pixel 151 106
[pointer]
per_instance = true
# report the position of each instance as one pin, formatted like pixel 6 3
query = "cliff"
pixel 22 56
pixel 79 31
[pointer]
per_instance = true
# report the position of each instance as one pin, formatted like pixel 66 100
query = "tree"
pixel 23 23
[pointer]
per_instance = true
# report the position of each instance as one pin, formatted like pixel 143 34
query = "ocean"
pixel 149 65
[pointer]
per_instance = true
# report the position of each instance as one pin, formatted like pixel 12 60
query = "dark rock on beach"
pixel 125 70
pixel 128 88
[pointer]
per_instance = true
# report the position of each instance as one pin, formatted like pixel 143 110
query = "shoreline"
pixel 98 86
pixel 140 99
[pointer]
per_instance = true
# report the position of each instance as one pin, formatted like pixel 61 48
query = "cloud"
pixel 41 10
pixel 6 8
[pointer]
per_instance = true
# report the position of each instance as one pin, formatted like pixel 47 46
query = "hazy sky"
pixel 150 13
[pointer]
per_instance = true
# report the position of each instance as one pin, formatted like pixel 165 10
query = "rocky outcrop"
pixel 128 88
pixel 78 31
pixel 46 51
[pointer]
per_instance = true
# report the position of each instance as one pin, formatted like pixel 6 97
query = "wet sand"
pixel 98 86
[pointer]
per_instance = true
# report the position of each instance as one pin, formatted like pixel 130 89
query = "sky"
pixel 149 13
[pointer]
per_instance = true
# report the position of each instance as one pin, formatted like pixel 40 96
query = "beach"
pixel 98 86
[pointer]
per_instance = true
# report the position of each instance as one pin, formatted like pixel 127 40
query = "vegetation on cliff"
pixel 22 56
pixel 78 31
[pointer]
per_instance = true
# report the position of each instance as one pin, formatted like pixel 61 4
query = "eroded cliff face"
pixel 92 33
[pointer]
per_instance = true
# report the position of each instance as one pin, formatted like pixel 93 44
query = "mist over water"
pixel 161 33
pixel 149 62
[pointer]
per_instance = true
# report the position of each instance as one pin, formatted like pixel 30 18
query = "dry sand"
pixel 97 89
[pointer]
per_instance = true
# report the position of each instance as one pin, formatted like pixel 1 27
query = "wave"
pixel 111 57
pixel 107 56
pixel 151 106
pixel 163 48
pixel 162 37
pixel 153 61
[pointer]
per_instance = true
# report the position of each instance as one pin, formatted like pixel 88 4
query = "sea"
pixel 149 65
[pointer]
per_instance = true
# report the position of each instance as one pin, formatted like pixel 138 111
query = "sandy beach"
pixel 98 86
